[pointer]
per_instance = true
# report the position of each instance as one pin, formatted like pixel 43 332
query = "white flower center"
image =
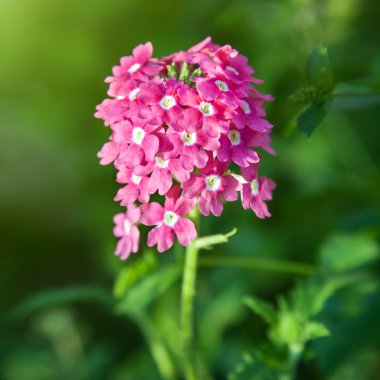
pixel 138 135
pixel 189 138
pixel 161 163
pixel 136 179
pixel 255 187
pixel 170 218
pixel 167 102
pixel 206 108
pixel 133 93
pixel 127 226
pixel 245 107
pixel 134 68
pixel 234 137
pixel 222 85
pixel 213 182
pixel 232 69
pixel 120 97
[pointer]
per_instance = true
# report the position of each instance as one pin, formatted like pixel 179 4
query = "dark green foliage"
pixel 294 322
pixel 59 297
pixel 313 116
pixel 148 289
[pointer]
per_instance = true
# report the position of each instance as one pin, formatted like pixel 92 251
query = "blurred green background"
pixel 56 202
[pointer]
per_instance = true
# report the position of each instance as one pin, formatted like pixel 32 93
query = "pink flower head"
pixel 212 184
pixel 169 221
pixel 127 232
pixel 191 118
pixel 256 191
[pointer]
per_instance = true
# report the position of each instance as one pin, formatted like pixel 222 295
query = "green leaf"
pixel 315 330
pixel 313 116
pixel 309 297
pixel 147 290
pixel 263 309
pixel 134 270
pixel 318 69
pixel 293 331
pixel 346 252
pixel 258 366
pixel 58 297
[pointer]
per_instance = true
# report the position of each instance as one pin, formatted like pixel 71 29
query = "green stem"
pixel 356 93
pixel 261 264
pixel 295 352
pixel 157 348
pixel 188 291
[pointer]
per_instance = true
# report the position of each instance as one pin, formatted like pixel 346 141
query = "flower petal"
pixel 216 205
pixel 185 231
pixel 171 198
pixel 193 186
pixel 151 213
pixel 184 206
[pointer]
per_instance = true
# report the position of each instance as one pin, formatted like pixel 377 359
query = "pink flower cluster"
pixel 187 127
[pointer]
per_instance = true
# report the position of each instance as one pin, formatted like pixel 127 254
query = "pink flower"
pixel 229 63
pixel 235 146
pixel 137 66
pixel 204 46
pixel 124 90
pixel 163 100
pixel 219 88
pixel 169 221
pixel 162 170
pixel 256 191
pixel 195 54
pixel 141 137
pixel 250 114
pixel 215 115
pixel 111 111
pixel 127 232
pixel 191 141
pixel 212 184
pixel 108 153
pixel 136 188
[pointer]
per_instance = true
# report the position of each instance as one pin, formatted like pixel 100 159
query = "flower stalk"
pixel 187 308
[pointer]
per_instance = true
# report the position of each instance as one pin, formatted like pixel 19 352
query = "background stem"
pixel 260 264
pixel 157 348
